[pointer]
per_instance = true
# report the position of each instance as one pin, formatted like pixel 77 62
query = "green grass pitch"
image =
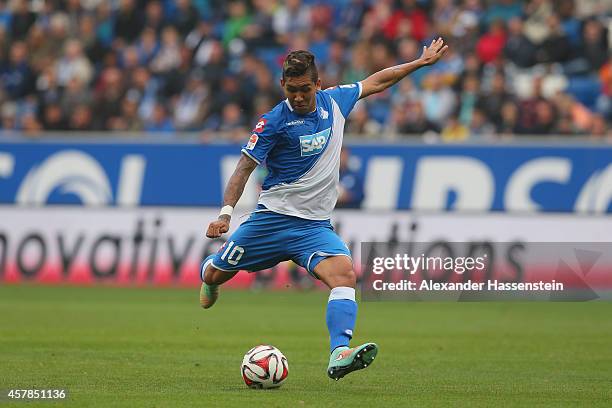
pixel 156 348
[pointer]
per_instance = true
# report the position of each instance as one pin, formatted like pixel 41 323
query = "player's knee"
pixel 344 277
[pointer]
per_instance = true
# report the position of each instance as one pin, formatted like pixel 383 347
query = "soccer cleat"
pixel 344 360
pixel 208 295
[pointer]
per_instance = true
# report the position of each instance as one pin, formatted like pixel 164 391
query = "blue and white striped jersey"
pixel 302 153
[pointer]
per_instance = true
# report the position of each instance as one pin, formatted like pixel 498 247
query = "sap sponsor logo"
pixel 73 172
pixel 323 113
pixel 252 141
pixel 259 127
pixel 314 144
pixel 295 122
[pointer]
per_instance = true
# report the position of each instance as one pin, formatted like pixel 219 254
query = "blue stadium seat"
pixel 585 89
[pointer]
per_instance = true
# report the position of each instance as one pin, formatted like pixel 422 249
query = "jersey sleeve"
pixel 262 139
pixel 345 96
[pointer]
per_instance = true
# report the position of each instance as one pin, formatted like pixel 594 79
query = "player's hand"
pixel 434 52
pixel 218 227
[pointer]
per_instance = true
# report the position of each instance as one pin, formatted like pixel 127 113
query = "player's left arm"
pixel 382 80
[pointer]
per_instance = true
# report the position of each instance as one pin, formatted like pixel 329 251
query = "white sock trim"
pixel 342 292
pixel 203 270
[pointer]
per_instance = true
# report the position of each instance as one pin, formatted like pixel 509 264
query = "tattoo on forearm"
pixel 235 186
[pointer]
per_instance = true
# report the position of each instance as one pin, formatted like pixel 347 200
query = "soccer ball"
pixel 264 366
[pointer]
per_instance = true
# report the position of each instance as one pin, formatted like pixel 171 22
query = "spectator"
pixel 160 122
pixel 538 12
pixel 201 41
pixel 168 56
pixel 438 99
pixel 415 122
pixel 349 20
pixel 595 44
pixel 491 45
pixel 455 131
pixel 332 71
pixel 238 20
pixel 505 10
pixel 351 186
pixel 359 66
pixel 58 34
pixel 5 16
pixel 40 49
pixel 47 88
pixel 53 118
pixel 9 116
pixel 144 90
pixel 129 119
pixel 75 94
pixel 94 49
pixel 360 123
pixel 519 49
pixel 81 118
pixel 107 100
pixel 186 17
pixel 16 75
pixel 444 14
pixel 480 127
pixel 291 18
pixel 259 32
pixel 147 46
pixel 509 119
pixel 30 124
pixel 232 121
pixel 21 20
pixel 128 21
pixel 73 64
pixel 492 102
pixel 190 109
pixel 527 108
pixel 554 48
pixel 154 17
pixel 604 101
pixel 468 99
pixel 598 126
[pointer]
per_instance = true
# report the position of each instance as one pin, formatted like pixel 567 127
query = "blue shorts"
pixel 267 238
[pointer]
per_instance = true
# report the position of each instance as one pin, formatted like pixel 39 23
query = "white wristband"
pixel 227 210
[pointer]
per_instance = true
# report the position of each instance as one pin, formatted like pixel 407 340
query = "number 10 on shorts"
pixel 235 255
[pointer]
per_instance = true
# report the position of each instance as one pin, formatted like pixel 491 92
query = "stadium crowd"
pixel 513 67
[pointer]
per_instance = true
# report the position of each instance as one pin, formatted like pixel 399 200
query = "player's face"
pixel 301 92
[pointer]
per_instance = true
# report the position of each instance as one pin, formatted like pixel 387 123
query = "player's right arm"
pixel 233 192
pixel 262 141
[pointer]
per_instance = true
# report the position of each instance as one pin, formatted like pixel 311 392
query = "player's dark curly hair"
pixel 299 63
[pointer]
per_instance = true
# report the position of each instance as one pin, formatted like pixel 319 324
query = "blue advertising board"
pixel 531 178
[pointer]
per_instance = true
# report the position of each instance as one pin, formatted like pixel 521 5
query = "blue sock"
pixel 341 316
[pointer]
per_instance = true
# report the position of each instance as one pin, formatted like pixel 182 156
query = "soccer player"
pixel 300 141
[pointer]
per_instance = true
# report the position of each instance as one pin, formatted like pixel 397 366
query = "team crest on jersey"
pixel 314 144
pixel 259 127
pixel 252 141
